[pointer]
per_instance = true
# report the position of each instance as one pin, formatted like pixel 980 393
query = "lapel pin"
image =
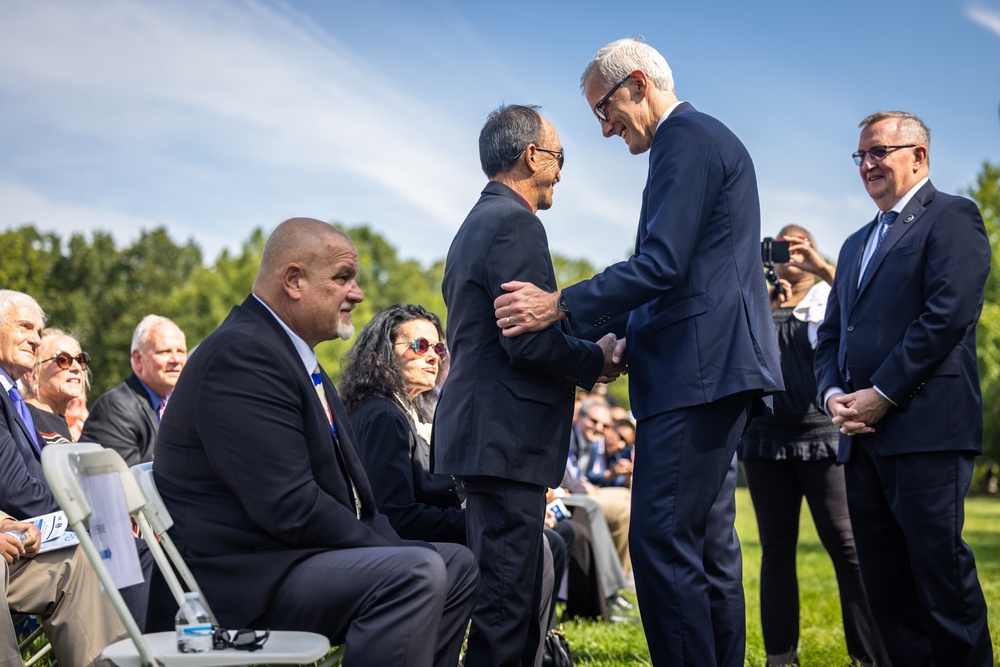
pixel 909 218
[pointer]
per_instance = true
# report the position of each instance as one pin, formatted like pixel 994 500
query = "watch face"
pixel 561 303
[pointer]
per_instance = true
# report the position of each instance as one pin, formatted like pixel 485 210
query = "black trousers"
pixel 777 489
pixel 504 521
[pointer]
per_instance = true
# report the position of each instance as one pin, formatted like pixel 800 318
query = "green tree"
pixel 986 194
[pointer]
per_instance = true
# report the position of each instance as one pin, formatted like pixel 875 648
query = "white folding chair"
pixel 160 522
pixel 64 466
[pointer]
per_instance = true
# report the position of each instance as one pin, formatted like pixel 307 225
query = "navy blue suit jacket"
pixel 910 328
pixel 698 317
pixel 246 465
pixel 24 493
pixel 506 407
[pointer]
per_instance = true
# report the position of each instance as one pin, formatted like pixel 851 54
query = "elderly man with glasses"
pixel 502 423
pixel 692 304
pixel 896 369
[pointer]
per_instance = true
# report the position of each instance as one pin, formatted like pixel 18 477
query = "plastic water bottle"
pixel 194 629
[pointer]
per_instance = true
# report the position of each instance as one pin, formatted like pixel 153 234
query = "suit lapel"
pixel 26 442
pixel 140 394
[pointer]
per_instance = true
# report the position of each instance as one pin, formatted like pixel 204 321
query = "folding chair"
pixel 64 466
pixel 160 522
pixel 32 631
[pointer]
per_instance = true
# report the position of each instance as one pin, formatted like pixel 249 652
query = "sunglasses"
pixel 241 640
pixel 877 153
pixel 64 360
pixel 421 345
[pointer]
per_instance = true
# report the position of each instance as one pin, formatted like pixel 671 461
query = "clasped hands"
pixel 857 413
pixel 11 547
pixel 527 308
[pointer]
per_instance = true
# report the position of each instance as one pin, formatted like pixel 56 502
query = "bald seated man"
pixel 257 463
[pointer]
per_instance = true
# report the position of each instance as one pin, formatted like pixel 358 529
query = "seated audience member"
pixel 23 489
pixel 61 589
pixel 388 389
pixel 257 462
pixel 60 374
pixel 126 417
pixel 586 458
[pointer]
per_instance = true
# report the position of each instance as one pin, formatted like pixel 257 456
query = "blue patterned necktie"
pixel 888 218
pixel 22 409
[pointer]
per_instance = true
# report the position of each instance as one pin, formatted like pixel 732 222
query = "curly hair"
pixel 371 369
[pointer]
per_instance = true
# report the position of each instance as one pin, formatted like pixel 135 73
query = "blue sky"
pixel 216 117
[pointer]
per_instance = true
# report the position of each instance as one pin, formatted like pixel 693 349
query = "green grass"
pixel 822 635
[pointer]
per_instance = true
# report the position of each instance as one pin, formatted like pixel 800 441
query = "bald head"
pixel 307 277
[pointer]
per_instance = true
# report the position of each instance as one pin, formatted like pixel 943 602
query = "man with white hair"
pixel 126 417
pixel 693 306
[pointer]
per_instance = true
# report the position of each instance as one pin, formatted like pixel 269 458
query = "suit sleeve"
pixel 21 493
pixel 825 361
pixel 682 189
pixel 112 424
pixel 384 439
pixel 958 261
pixel 519 251
pixel 251 414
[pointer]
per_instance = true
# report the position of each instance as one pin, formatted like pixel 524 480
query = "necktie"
pixel 163 406
pixel 317 378
pixel 887 219
pixel 22 409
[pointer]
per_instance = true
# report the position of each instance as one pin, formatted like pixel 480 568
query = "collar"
pixel 666 114
pixel 6 381
pixel 901 204
pixel 154 398
pixel 306 353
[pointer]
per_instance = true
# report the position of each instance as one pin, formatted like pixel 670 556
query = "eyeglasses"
pixel 599 107
pixel 64 360
pixel 597 423
pixel 560 154
pixel 877 153
pixel 421 345
pixel 241 640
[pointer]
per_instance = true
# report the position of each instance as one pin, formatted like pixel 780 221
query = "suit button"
pixel 850 327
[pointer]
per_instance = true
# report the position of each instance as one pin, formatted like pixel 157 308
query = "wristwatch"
pixel 562 305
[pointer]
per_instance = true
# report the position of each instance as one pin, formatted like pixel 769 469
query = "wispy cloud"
pixel 988 17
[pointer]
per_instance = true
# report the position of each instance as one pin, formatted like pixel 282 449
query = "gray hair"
pixel 144 329
pixel 507 132
pixel 593 401
pixel 620 58
pixel 911 128
pixel 10 298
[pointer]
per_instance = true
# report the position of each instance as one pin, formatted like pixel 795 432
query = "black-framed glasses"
pixel 64 360
pixel 560 154
pixel 241 640
pixel 599 107
pixel 877 153
pixel 597 422
pixel 421 345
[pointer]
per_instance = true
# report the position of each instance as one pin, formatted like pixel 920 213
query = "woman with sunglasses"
pixel 388 388
pixel 61 374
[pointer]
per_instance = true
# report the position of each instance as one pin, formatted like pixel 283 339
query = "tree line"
pixel 98 291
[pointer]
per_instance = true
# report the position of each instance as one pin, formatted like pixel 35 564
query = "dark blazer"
pixel 910 328
pixel 24 492
pixel 698 318
pixel 123 419
pixel 420 505
pixel 247 467
pixel 506 407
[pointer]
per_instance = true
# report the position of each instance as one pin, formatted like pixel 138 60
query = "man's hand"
pixel 526 308
pixel 858 412
pixel 33 542
pixel 612 367
pixel 11 546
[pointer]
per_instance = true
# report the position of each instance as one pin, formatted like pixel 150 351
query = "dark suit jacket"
pixel 247 467
pixel 698 318
pixel 910 328
pixel 506 407
pixel 24 493
pixel 123 419
pixel 420 505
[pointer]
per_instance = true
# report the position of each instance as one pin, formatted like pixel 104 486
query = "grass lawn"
pixel 822 635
